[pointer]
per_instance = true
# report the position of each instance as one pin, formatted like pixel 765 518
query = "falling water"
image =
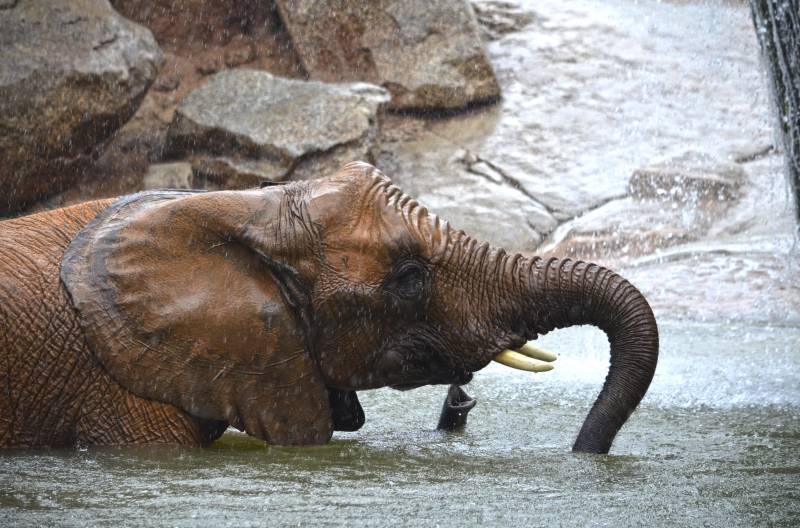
pixel 777 25
pixel 593 92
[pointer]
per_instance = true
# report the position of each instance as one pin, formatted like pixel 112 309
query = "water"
pixel 592 91
pixel 714 443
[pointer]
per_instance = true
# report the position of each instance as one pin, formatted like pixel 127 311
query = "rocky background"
pixel 638 137
pixel 103 99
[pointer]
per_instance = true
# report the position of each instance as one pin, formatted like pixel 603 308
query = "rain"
pixel 657 138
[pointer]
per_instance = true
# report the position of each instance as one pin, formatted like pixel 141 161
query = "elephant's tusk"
pixel 516 360
pixel 532 351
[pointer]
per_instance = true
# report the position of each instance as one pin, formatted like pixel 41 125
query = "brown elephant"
pixel 164 316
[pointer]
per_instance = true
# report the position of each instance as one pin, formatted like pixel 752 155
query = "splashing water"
pixel 593 91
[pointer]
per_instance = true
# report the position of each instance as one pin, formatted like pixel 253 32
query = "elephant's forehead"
pixel 365 248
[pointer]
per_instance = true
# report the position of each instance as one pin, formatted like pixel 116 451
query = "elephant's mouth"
pixel 421 364
pixel 527 357
pixel 461 378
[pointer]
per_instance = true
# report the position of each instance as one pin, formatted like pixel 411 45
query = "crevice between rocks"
pixel 557 216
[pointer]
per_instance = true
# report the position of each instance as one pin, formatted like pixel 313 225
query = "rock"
pixel 627 228
pixel 176 175
pixel 497 18
pixel 755 281
pixel 71 73
pixel 167 82
pixel 466 192
pixel 689 177
pixel 246 126
pixel 624 229
pixel 211 22
pixel 429 55
pixel 239 51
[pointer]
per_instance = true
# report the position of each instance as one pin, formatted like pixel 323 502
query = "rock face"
pixel 429 55
pixel 691 176
pixel 670 203
pixel 213 22
pixel 498 17
pixel 71 73
pixel 246 126
pixel 176 175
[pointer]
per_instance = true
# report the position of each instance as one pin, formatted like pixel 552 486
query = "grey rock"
pixel 497 18
pixel 245 126
pixel 467 195
pixel 428 54
pixel 177 175
pixel 221 172
pixel 689 177
pixel 627 228
pixel 71 73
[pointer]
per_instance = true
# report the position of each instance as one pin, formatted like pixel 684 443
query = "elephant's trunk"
pixel 564 293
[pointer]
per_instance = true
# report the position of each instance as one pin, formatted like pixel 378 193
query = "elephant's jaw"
pixel 527 357
pixel 461 379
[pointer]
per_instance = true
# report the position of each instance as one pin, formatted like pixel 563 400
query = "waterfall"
pixel 777 24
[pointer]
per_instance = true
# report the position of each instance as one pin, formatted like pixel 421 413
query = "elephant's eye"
pixel 408 281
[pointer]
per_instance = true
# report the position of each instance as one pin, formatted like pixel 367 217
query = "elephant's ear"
pixel 178 309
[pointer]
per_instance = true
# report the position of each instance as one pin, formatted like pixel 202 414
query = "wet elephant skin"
pixel 164 316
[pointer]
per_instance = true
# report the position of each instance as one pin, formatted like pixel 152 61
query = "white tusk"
pixel 517 361
pixel 532 351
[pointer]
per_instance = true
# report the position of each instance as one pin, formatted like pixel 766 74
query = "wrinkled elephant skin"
pixel 164 316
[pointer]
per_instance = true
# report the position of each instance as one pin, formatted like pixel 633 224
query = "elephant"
pixel 165 316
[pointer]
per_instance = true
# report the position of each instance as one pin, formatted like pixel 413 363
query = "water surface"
pixel 714 443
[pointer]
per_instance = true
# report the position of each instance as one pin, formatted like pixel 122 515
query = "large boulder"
pixel 246 126
pixel 212 22
pixel 71 73
pixel 429 55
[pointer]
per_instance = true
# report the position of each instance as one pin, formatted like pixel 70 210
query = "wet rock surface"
pixel 497 18
pixel 428 54
pixel 465 191
pixel 626 132
pixel 752 280
pixel 71 73
pixel 593 94
pixel 668 203
pixel 692 177
pixel 246 126
pixel 176 175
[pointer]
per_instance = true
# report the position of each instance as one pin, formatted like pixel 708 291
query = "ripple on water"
pixel 715 442
pixel 592 91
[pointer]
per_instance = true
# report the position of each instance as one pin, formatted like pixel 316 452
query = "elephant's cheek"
pixel 389 369
pixel 361 373
pixel 343 375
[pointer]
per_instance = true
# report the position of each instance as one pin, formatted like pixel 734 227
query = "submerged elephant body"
pixel 165 316
pixel 55 392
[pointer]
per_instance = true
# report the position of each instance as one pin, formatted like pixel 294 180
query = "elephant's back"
pixel 49 231
pixel 31 249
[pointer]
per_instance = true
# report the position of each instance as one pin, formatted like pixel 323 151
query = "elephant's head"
pixel 268 308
